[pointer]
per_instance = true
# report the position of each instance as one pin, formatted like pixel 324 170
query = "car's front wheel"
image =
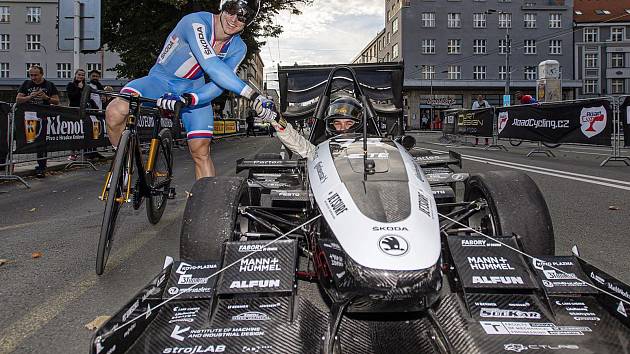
pixel 211 216
pixel 514 204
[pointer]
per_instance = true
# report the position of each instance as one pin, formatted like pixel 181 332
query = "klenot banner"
pixel 584 122
pixel 625 119
pixel 5 108
pixel 56 128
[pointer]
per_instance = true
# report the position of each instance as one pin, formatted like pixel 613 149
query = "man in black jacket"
pixel 75 87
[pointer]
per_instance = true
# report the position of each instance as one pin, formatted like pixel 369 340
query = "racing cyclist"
pixel 343 116
pixel 201 42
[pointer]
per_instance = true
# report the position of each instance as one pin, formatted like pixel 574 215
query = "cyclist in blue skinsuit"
pixel 200 43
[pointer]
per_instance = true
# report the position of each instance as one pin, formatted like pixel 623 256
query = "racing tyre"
pixel 210 217
pixel 160 178
pixel 515 142
pixel 121 176
pixel 514 205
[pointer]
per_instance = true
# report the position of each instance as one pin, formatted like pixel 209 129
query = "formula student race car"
pixel 366 248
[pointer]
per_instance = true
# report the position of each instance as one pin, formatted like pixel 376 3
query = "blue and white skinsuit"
pixel 187 54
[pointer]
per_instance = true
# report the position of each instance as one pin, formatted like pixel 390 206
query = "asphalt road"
pixel 46 302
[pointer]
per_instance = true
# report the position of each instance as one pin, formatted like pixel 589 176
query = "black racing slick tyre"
pixel 210 217
pixel 514 205
pixel 115 199
pixel 160 178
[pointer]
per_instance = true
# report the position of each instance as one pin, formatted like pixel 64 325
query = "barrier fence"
pixel 596 121
pixel 29 133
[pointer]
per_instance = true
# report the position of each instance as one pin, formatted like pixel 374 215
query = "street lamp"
pixel 507 51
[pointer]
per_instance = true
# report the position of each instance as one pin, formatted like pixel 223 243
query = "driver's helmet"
pixel 344 108
pixel 246 10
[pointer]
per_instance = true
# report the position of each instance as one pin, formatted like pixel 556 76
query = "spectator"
pixel 107 99
pixel 74 89
pixel 249 120
pixel 480 103
pixel 38 90
pixel 424 121
pixel 525 99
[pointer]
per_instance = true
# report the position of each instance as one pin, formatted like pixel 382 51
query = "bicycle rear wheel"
pixel 118 186
pixel 160 177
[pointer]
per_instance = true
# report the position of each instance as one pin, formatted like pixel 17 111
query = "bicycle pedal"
pixel 171 193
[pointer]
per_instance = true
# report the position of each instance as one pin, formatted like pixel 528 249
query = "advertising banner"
pixel 585 122
pixel 56 128
pixel 5 108
pixel 219 127
pixel 450 121
pixel 230 127
pixel 476 122
pixel 625 120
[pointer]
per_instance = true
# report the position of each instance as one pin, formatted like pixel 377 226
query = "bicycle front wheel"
pixel 118 186
pixel 160 177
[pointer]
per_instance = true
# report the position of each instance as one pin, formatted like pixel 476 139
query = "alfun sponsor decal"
pixel 593 121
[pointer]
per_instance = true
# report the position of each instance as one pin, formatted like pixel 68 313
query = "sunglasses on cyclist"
pixel 243 14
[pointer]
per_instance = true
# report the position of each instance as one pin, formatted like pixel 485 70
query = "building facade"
pixel 602 47
pixel 251 72
pixel 454 50
pixel 28 36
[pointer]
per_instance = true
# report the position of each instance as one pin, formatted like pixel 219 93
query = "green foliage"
pixel 137 29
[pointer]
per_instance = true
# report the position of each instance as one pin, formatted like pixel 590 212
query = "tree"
pixel 137 29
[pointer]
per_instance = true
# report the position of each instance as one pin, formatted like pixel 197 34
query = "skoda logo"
pixel 393 245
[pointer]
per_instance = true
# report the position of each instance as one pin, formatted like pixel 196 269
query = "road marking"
pixel 607 182
pixel 17 332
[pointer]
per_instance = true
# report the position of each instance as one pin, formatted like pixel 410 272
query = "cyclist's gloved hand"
pixel 169 100
pixel 266 109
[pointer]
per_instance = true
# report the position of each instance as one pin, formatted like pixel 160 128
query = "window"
pixel 555 46
pixel 617 34
pixel 387 57
pixel 5 42
pixel 479 72
pixel 428 19
pixel 504 46
pixel 590 86
pixel 479 46
pixel 29 65
pixel 454 46
pixel 529 20
pixel 4 70
pixel 395 51
pixel 428 72
pixel 617 86
pixel 33 14
pixel 591 34
pixel 395 25
pixel 33 42
pixel 454 72
pixel 428 46
pixel 505 20
pixel 479 20
pixel 591 60
pixel 530 46
pixel 64 70
pixel 454 20
pixel 389 37
pixel 529 73
pixel 503 72
pixel 555 20
pixel 5 14
pixel 617 60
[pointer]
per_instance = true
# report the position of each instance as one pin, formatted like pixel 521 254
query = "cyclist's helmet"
pixel 345 107
pixel 246 10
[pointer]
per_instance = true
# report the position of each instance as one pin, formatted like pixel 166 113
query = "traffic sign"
pixel 90 28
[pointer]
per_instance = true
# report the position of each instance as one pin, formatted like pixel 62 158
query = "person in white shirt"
pixel 480 103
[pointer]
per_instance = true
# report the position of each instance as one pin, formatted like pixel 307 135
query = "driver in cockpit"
pixel 344 115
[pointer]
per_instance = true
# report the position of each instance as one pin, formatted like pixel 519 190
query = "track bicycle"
pixel 154 173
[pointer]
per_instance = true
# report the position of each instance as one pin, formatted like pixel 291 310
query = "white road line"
pixel 608 182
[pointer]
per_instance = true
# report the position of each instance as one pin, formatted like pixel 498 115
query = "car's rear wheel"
pixel 514 205
pixel 211 216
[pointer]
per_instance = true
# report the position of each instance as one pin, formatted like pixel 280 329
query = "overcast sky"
pixel 328 31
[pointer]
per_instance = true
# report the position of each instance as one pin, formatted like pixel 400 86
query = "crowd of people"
pixel 37 90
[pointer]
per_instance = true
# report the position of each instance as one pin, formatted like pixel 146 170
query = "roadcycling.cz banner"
pixel 584 122
pixel 625 120
pixel 56 128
